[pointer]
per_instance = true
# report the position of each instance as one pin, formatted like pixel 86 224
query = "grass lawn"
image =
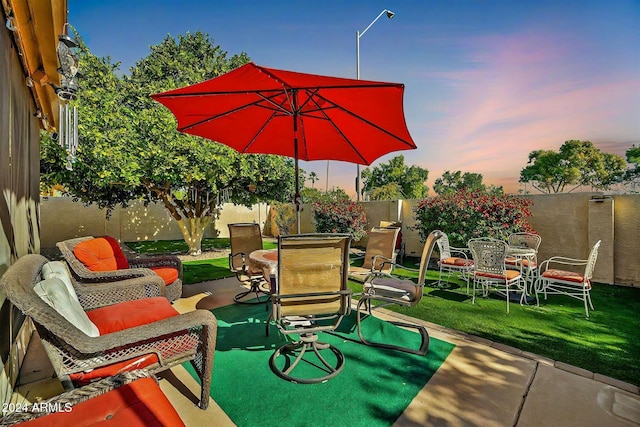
pixel 607 343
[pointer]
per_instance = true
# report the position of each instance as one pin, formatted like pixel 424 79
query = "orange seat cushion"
pixel 121 260
pixel 460 262
pixel 568 276
pixel 96 254
pixel 511 274
pixel 516 261
pixel 129 314
pixel 137 404
pixel 82 378
pixel 167 274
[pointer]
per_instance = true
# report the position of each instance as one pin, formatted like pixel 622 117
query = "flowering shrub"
pixel 343 216
pixel 464 215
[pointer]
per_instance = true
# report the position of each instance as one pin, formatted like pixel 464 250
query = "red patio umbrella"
pixel 255 109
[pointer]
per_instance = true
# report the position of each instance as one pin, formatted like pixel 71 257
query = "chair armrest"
pixel 544 265
pixel 149 332
pixel 149 261
pixel 96 295
pixel 462 251
pixel 244 261
pixel 347 292
pixel 371 278
pixel 387 261
pixel 73 397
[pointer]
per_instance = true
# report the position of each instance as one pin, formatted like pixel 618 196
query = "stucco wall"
pixel 569 225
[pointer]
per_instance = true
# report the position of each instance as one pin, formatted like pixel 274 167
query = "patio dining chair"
pixel 246 238
pixel 380 253
pixel 527 265
pixel 453 261
pixel 490 271
pixel 570 277
pixel 310 295
pixel 387 289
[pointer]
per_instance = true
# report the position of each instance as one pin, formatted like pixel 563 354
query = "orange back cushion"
pixel 121 260
pixel 96 254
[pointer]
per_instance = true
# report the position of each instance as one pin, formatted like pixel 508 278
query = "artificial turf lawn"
pixel 374 388
pixel 607 343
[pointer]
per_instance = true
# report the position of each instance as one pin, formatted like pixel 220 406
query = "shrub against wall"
pixel 464 215
pixel 343 216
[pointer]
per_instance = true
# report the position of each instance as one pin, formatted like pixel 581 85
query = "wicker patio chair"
pixel 129 396
pixel 388 289
pixel 381 249
pixel 490 271
pixel 310 295
pixel 138 266
pixel 454 261
pixel 162 343
pixel 564 281
pixel 244 239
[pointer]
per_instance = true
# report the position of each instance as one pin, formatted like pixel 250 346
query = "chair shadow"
pixel 449 295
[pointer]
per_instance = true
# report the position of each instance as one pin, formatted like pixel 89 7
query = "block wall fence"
pixel 569 225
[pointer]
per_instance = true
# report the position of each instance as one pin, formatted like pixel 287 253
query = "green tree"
pixel 130 148
pixel 313 177
pixel 409 180
pixel 632 174
pixel 451 182
pixel 310 195
pixel 576 164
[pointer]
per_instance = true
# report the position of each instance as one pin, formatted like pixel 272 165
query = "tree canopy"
pixel 452 182
pixel 576 164
pixel 394 180
pixel 130 149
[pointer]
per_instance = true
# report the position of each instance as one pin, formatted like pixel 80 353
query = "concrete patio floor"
pixel 481 383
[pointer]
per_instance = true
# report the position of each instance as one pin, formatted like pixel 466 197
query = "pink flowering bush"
pixel 342 216
pixel 464 215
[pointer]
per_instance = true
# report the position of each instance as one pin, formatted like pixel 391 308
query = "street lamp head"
pixel 390 14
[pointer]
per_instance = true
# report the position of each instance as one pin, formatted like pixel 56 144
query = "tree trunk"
pixel 193 231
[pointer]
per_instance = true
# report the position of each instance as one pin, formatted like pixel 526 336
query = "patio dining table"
pixel 266 260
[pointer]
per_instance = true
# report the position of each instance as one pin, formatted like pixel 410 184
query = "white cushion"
pixel 58 270
pixel 54 292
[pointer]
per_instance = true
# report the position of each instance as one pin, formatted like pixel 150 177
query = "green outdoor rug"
pixel 373 389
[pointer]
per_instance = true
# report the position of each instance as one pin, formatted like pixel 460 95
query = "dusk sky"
pixel 486 82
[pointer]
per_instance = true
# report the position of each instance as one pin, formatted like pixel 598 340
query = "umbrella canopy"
pixel 255 109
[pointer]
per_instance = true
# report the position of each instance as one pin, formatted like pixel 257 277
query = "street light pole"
pixel 358 35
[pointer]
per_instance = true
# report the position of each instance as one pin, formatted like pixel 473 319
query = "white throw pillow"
pixel 59 270
pixel 55 293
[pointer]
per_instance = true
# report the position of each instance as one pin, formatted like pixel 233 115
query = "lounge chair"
pixel 87 342
pixel 102 260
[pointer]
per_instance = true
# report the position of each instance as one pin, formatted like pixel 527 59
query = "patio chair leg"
pixel 254 288
pixel 424 335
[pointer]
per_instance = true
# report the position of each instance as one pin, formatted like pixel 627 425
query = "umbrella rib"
pixel 381 129
pixel 242 107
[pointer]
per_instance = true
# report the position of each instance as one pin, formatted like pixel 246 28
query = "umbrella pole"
pixel 296 197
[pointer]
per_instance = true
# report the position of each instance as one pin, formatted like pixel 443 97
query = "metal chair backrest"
pixel 488 255
pixel 382 242
pixel 591 262
pixel 443 246
pixel 433 238
pixel 244 238
pixel 313 263
pixel 524 240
